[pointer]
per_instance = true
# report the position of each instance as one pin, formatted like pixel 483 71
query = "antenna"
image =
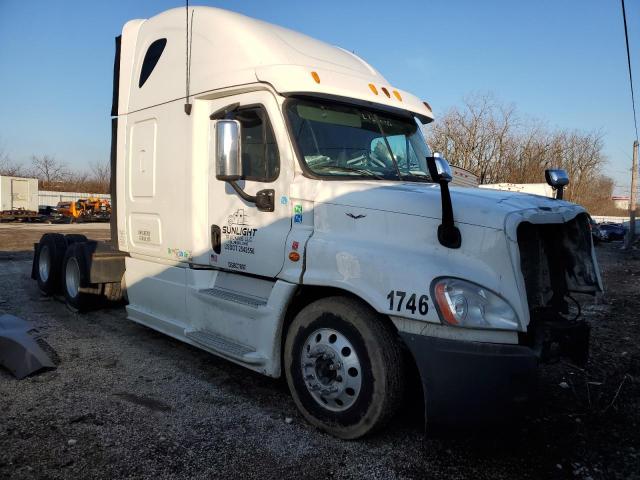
pixel 188 43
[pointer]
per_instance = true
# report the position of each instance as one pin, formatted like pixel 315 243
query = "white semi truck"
pixel 279 207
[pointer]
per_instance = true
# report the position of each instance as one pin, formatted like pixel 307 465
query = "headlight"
pixel 465 304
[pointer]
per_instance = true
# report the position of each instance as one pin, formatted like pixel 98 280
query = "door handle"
pixel 216 238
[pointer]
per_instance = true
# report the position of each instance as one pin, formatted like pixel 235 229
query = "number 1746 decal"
pixel 397 302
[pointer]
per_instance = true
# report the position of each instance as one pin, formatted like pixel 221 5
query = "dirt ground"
pixel 127 402
pixel 19 237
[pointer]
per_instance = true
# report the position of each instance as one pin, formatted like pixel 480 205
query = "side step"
pixel 225 347
pixel 235 297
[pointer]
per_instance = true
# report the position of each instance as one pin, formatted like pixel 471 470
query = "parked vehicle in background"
pixel 18 199
pixel 290 217
pixel 596 233
pixel 612 231
pixel 626 226
pixel 18 193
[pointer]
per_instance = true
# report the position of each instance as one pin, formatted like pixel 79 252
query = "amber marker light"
pixel 373 88
pixel 386 92
pixel 397 95
pixel 443 303
pixel 294 256
pixel 315 76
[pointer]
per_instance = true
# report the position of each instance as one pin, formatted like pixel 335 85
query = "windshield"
pixel 344 140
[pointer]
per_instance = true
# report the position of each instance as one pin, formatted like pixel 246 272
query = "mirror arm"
pixel 448 234
pixel 264 200
pixel 244 195
pixel 559 193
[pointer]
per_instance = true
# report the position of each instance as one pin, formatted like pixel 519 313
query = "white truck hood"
pixel 473 206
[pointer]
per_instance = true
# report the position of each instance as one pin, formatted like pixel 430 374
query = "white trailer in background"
pixel 52 198
pixel 463 177
pixel 541 189
pixel 288 215
pixel 18 193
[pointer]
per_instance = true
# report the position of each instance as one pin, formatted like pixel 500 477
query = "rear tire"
pixel 75 280
pixel 74 238
pixel 344 367
pixel 49 258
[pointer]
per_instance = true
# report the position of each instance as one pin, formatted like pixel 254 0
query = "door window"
pixel 260 159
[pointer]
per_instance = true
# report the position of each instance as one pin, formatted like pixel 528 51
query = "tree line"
pixel 495 142
pixel 55 175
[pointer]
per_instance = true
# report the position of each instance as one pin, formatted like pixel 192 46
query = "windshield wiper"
pixel 368 173
pixel 412 177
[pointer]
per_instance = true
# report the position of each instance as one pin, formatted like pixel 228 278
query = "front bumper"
pixel 470 382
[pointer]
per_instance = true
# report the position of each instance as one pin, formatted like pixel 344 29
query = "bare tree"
pixel 49 170
pixel 491 140
pixel 101 175
pixel 8 167
pixel 478 136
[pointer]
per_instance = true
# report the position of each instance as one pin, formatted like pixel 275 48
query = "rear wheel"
pixel 344 367
pixel 74 238
pixel 49 262
pixel 79 295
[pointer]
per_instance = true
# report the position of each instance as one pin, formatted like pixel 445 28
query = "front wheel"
pixel 343 365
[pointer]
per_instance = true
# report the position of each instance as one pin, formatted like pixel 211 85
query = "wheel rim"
pixel 331 369
pixel 44 263
pixel 72 277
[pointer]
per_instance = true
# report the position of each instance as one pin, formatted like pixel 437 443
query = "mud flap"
pixel 19 351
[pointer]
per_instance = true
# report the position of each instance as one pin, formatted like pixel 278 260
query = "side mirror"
pixel 228 155
pixel 229 163
pixel 439 169
pixel 558 179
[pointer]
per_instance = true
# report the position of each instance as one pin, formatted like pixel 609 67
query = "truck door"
pixel 243 238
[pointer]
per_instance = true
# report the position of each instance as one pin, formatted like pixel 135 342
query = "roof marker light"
pixel 373 88
pixel 315 76
pixel 426 104
pixel 386 92
pixel 397 95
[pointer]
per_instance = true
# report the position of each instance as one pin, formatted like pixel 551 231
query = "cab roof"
pixel 229 49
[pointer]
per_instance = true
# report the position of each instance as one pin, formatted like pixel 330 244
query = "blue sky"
pixel 563 62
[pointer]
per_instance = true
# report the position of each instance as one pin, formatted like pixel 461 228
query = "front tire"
pixel 344 367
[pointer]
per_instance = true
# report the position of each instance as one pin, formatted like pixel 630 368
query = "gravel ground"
pixel 127 402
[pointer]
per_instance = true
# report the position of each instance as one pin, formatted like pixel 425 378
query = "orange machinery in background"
pixel 85 210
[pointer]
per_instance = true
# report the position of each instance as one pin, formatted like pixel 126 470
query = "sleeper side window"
pixel 260 159
pixel 151 59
